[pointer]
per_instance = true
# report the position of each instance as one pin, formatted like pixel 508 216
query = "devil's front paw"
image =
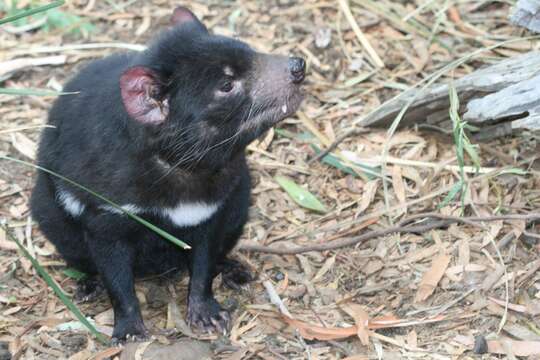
pixel 206 315
pixel 129 329
pixel 234 274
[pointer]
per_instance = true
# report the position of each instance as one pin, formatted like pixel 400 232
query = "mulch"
pixel 393 268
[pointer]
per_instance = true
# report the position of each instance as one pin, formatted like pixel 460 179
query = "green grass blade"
pixel 460 137
pixel 335 162
pixel 515 171
pixel 68 23
pixel 74 274
pixel 140 220
pixel 471 151
pixel 300 195
pixel 57 289
pixel 33 11
pixel 451 194
pixel 304 136
pixel 462 142
pixel 33 92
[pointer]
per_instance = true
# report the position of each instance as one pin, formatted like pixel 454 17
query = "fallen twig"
pixel 275 299
pixel 76 47
pixel 10 66
pixel 410 203
pixel 444 220
pixel 360 35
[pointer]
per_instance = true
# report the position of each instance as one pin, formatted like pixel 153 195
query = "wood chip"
pixel 361 319
pixel 432 277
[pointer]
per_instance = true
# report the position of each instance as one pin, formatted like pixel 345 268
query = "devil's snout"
pixel 297 67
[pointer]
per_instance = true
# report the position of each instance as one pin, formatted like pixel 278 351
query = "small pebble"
pixel 323 37
pixel 74 341
pixel 4 352
pixel 480 345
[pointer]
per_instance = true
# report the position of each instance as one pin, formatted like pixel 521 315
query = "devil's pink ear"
pixel 142 94
pixel 182 15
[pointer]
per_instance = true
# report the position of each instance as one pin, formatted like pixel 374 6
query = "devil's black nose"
pixel 297 67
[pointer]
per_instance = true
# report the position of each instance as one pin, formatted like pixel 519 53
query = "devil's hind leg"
pixel 59 227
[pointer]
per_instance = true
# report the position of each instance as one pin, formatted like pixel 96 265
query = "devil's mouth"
pixel 291 105
pixel 280 110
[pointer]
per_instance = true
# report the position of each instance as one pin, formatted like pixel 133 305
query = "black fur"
pixel 194 153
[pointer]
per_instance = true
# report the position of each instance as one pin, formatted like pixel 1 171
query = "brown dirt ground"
pixel 378 279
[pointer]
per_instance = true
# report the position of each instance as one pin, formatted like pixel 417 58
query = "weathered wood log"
pixel 513 85
pixel 527 14
pixel 521 100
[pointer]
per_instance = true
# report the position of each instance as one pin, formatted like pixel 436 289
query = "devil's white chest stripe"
pixel 190 214
pixel 182 215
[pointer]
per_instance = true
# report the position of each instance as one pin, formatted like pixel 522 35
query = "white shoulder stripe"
pixel 182 215
pixel 73 206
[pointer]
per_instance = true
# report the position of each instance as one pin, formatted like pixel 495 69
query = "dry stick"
pixel 275 299
pixel 23 128
pixel 399 206
pixel 381 212
pixel 360 35
pixel 308 123
pixel 334 145
pixel 410 203
pixel 11 66
pixel 531 216
pixel 343 242
pixel 444 220
pixel 75 47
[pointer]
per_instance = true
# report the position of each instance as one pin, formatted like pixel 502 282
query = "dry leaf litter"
pixel 444 288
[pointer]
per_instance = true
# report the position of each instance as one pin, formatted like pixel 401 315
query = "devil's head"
pixel 203 98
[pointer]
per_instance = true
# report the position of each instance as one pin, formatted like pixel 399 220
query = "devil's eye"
pixel 227 86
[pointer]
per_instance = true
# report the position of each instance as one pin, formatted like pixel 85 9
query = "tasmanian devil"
pixel 163 134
